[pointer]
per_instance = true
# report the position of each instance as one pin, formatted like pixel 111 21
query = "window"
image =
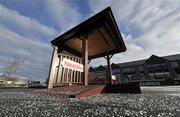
pixel 125 69
pixel 132 68
pixel 140 68
pixel 154 65
pixel 129 69
pixel 174 64
pixel 115 70
pixel 92 75
pixel 163 64
pixel 101 75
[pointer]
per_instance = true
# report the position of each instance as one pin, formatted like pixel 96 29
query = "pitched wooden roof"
pixel 103 36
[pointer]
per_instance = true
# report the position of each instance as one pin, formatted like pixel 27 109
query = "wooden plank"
pixel 81 74
pixel 80 80
pixel 60 70
pixel 55 74
pixel 70 56
pixel 68 78
pixel 71 76
pixel 63 73
pixel 71 71
pixel 77 77
pixel 66 75
pixel 74 75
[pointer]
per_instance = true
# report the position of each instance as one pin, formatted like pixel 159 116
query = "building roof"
pixel 91 69
pixel 100 68
pixel 172 57
pixel 140 62
pixel 114 66
pixel 132 63
pixel 101 30
pixel 155 59
pixel 2 76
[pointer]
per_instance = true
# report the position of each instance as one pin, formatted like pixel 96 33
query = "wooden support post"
pixel 109 70
pixel 59 78
pixel 54 63
pixel 85 60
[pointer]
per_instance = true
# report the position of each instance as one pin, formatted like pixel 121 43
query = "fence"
pixel 64 76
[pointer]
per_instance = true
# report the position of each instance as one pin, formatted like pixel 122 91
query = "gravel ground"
pixel 153 102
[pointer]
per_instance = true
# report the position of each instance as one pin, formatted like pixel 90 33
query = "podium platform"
pixel 77 91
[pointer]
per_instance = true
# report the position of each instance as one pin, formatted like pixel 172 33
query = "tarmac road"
pixel 153 102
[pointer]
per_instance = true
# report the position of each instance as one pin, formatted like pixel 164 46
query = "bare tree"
pixel 12 67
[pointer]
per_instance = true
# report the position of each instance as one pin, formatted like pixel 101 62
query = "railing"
pixel 64 75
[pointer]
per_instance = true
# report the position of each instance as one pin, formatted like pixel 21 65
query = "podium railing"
pixel 67 76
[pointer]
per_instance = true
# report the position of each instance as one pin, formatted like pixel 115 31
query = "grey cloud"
pixel 156 20
pixel 29 39
pixel 36 55
pixel 63 13
pixel 26 26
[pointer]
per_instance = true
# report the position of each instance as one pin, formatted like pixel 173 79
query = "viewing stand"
pixel 96 37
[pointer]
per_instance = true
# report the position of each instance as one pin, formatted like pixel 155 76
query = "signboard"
pixel 113 77
pixel 71 65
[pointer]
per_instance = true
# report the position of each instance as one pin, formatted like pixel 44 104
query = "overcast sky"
pixel 27 27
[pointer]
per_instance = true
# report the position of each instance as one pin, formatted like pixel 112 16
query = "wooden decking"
pixel 74 91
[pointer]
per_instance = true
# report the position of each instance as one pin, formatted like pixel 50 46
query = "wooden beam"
pixel 104 38
pixel 85 60
pixel 109 31
pixel 111 52
pixel 69 49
